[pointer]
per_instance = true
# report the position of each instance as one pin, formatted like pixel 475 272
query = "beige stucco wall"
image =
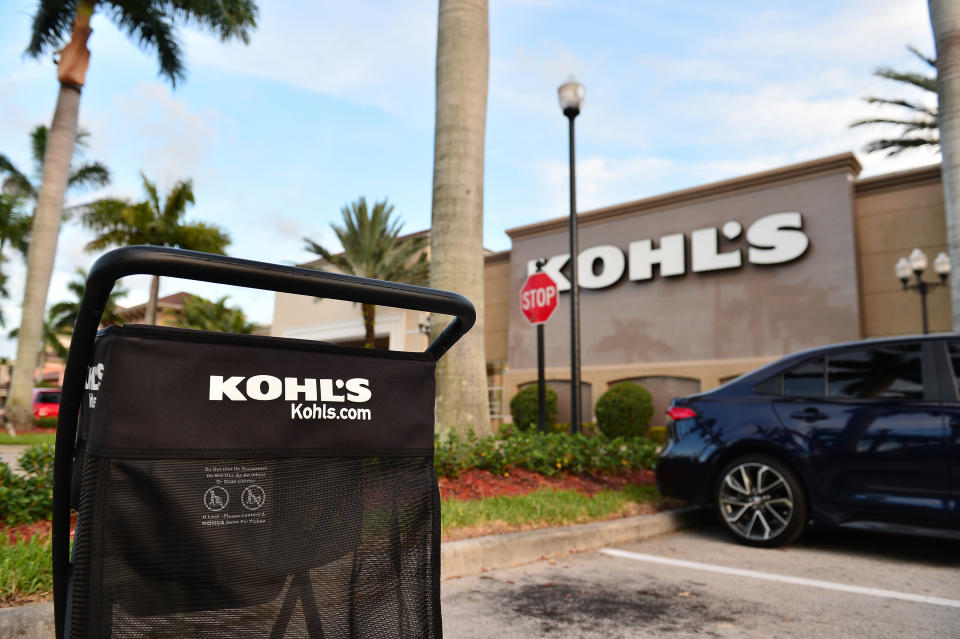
pixel 304 317
pixel 895 214
pixel 496 276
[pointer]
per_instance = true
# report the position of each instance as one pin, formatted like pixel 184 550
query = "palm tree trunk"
pixel 369 321
pixel 151 313
pixel 463 52
pixel 45 230
pixel 42 251
pixel 945 19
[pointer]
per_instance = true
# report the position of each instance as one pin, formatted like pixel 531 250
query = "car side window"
pixel 881 372
pixel 805 380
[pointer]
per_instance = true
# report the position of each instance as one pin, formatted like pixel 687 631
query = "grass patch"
pixel 28 438
pixel 546 507
pixel 25 570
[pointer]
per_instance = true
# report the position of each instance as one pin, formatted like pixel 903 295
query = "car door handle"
pixel 808 415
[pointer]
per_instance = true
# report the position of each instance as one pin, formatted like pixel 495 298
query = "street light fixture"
pixel 915 265
pixel 571 96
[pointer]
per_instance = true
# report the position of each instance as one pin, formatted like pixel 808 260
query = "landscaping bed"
pixel 488 486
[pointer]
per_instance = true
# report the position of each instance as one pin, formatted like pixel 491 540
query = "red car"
pixel 46 402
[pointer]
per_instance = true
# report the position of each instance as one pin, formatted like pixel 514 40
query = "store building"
pixel 682 291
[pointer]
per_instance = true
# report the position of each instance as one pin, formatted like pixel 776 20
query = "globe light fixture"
pixel 903 270
pixel 942 265
pixel 915 265
pixel 571 95
pixel 918 261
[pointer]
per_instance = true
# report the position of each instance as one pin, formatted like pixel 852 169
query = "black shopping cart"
pixel 246 486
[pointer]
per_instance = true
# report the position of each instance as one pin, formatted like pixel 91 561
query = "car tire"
pixel 760 501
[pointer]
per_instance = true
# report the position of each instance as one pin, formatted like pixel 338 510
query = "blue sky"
pixel 332 100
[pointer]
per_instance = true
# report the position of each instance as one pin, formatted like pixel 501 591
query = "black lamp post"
pixel 916 265
pixel 571 94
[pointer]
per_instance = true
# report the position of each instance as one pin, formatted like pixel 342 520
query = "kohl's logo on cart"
pixel 303 393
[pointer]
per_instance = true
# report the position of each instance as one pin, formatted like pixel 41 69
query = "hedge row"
pixel 544 453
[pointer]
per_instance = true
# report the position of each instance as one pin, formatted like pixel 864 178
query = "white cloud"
pixel 368 53
pixel 173 140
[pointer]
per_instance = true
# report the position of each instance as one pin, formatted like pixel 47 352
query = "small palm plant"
pixel 372 247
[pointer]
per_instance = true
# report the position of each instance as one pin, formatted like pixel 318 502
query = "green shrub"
pixel 544 453
pixel 525 411
pixel 624 410
pixel 28 497
pixel 657 434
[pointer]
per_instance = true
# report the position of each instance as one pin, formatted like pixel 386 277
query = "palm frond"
pixel 198 236
pixel 151 26
pixel 52 23
pixel 906 104
pixel 932 62
pixel 38 147
pixel 175 206
pixel 925 82
pixel 226 18
pixel 89 175
pixel 150 189
pixel 898 145
pixel 16 183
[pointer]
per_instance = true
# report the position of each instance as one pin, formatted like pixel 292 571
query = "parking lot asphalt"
pixel 695 583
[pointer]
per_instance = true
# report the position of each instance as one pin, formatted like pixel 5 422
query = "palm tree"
pixel 945 19
pixel 456 239
pixel 63 315
pixel 919 122
pixel 203 315
pixel 372 247
pixel 121 222
pixel 153 24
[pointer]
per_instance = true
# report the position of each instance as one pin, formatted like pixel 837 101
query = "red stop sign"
pixel 538 298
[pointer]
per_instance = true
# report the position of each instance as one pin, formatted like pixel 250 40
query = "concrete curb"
pixel 33 621
pixel 458 558
pixel 472 556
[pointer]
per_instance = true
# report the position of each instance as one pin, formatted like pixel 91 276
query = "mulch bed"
pixel 478 484
pixel 26 531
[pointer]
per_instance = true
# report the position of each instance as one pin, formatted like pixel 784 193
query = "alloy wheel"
pixel 756 501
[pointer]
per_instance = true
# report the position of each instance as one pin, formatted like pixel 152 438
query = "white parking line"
pixel 768 576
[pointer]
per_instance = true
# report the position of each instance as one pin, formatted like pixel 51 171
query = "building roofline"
pixel 911 177
pixel 840 163
pixel 499 256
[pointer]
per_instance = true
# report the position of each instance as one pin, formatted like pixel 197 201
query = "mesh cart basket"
pixel 234 486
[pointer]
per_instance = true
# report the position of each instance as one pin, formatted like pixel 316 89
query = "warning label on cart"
pixel 236 495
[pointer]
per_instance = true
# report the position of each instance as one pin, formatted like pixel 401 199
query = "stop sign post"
pixel 538 301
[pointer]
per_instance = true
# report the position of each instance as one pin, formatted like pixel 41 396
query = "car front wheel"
pixel 761 502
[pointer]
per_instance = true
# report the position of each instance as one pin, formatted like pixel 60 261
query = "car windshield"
pixel 48 398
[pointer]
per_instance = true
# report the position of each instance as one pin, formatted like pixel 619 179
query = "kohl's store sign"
pixel 773 239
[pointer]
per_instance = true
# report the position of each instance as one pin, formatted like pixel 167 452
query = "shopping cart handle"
pixel 192 265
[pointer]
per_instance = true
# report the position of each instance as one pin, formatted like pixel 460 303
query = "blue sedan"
pixel 862 434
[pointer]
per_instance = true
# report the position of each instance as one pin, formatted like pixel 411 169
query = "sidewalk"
pixel 10 453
